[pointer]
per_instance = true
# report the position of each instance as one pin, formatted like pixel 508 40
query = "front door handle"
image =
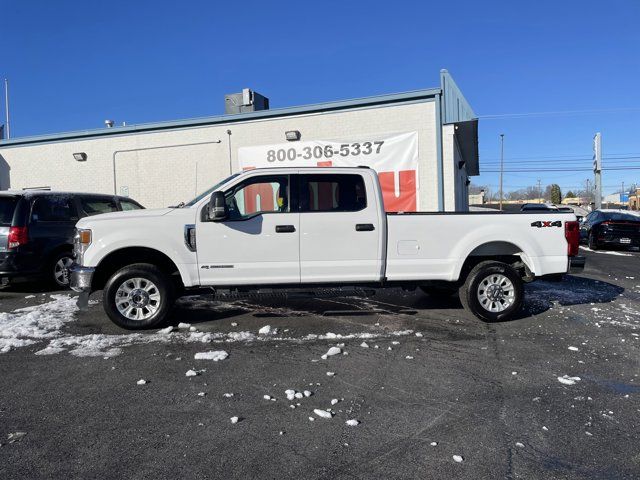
pixel 365 227
pixel 285 229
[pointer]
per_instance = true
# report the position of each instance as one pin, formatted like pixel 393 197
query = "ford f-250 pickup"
pixel 313 227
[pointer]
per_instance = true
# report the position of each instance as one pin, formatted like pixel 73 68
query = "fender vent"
pixel 190 237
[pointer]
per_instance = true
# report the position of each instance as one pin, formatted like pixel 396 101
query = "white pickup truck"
pixel 313 227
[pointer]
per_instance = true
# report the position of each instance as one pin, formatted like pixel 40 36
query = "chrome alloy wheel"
pixel 61 270
pixel 496 293
pixel 138 299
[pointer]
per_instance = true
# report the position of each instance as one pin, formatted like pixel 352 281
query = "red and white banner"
pixel 393 157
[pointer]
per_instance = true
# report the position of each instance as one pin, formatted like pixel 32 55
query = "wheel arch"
pixel 122 257
pixel 498 250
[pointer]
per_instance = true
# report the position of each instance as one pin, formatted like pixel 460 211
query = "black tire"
pixel 593 245
pixel 439 291
pixel 159 297
pixel 58 270
pixel 471 289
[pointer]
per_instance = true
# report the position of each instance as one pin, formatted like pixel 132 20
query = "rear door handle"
pixel 365 227
pixel 285 229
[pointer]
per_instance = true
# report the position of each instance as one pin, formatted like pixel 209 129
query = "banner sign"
pixel 393 157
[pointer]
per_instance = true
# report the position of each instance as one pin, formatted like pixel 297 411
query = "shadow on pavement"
pixel 541 295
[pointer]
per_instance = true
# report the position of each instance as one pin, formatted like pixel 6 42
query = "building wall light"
pixel 80 156
pixel 292 135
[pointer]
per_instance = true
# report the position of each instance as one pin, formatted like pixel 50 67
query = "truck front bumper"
pixel 81 278
pixel 576 264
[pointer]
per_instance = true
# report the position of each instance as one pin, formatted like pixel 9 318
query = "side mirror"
pixel 218 207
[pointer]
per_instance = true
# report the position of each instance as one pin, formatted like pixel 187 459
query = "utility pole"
pixel 539 192
pixel 6 107
pixel 588 193
pixel 501 165
pixel 597 168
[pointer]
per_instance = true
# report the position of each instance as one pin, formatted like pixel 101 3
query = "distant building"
pixel 634 200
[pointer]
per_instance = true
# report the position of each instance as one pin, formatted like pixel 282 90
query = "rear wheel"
pixel 138 296
pixel 493 291
pixel 593 245
pixel 59 269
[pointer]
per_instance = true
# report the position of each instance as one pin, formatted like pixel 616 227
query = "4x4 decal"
pixel 540 224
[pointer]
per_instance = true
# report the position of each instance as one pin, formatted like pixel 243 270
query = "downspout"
pixel 439 154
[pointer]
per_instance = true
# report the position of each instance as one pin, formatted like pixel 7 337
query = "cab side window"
pixel 332 193
pixel 259 195
pixel 53 209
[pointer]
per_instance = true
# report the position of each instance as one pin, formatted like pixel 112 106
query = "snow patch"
pixel 142 381
pixel 26 326
pixel 215 355
pixel 352 423
pixel 458 458
pixel 322 413
pixel 567 380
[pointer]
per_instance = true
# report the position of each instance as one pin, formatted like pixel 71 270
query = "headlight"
pixel 81 242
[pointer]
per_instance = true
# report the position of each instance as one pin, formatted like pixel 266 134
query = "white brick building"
pixel 165 163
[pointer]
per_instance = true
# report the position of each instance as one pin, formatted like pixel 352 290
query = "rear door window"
pixel 332 193
pixel 128 205
pixel 97 205
pixel 7 207
pixel 53 209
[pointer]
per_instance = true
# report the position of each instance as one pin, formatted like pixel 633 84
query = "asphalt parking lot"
pixel 553 394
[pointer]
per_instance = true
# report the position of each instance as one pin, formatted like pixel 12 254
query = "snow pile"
pixel 235 419
pixel 458 458
pixel 191 373
pixel 352 423
pixel 26 326
pixel 141 382
pixel 567 380
pixel 364 345
pixel 331 352
pixel 215 355
pixel 184 326
pixel 322 413
pixel 573 349
pixel 266 330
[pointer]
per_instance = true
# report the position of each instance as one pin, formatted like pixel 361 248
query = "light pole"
pixel 6 107
pixel 501 165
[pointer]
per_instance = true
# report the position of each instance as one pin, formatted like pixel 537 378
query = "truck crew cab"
pixel 303 227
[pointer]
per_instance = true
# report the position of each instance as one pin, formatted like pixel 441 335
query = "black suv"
pixel 37 228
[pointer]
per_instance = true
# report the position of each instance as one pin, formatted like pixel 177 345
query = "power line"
pixel 558 113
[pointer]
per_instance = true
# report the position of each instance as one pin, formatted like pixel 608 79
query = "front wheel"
pixel 493 291
pixel 138 296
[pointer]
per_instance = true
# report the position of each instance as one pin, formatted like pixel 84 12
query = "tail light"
pixel 17 236
pixel 572 234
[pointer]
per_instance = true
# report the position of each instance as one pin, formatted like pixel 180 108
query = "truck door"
pixel 340 234
pixel 259 242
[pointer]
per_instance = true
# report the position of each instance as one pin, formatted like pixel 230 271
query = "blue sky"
pixel 72 64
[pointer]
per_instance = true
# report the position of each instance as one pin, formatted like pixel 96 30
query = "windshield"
pixel 211 190
pixel 7 206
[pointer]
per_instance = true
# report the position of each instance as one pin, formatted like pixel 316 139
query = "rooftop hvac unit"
pixel 247 101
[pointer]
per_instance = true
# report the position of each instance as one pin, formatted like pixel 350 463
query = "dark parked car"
pixel 37 228
pixel 610 228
